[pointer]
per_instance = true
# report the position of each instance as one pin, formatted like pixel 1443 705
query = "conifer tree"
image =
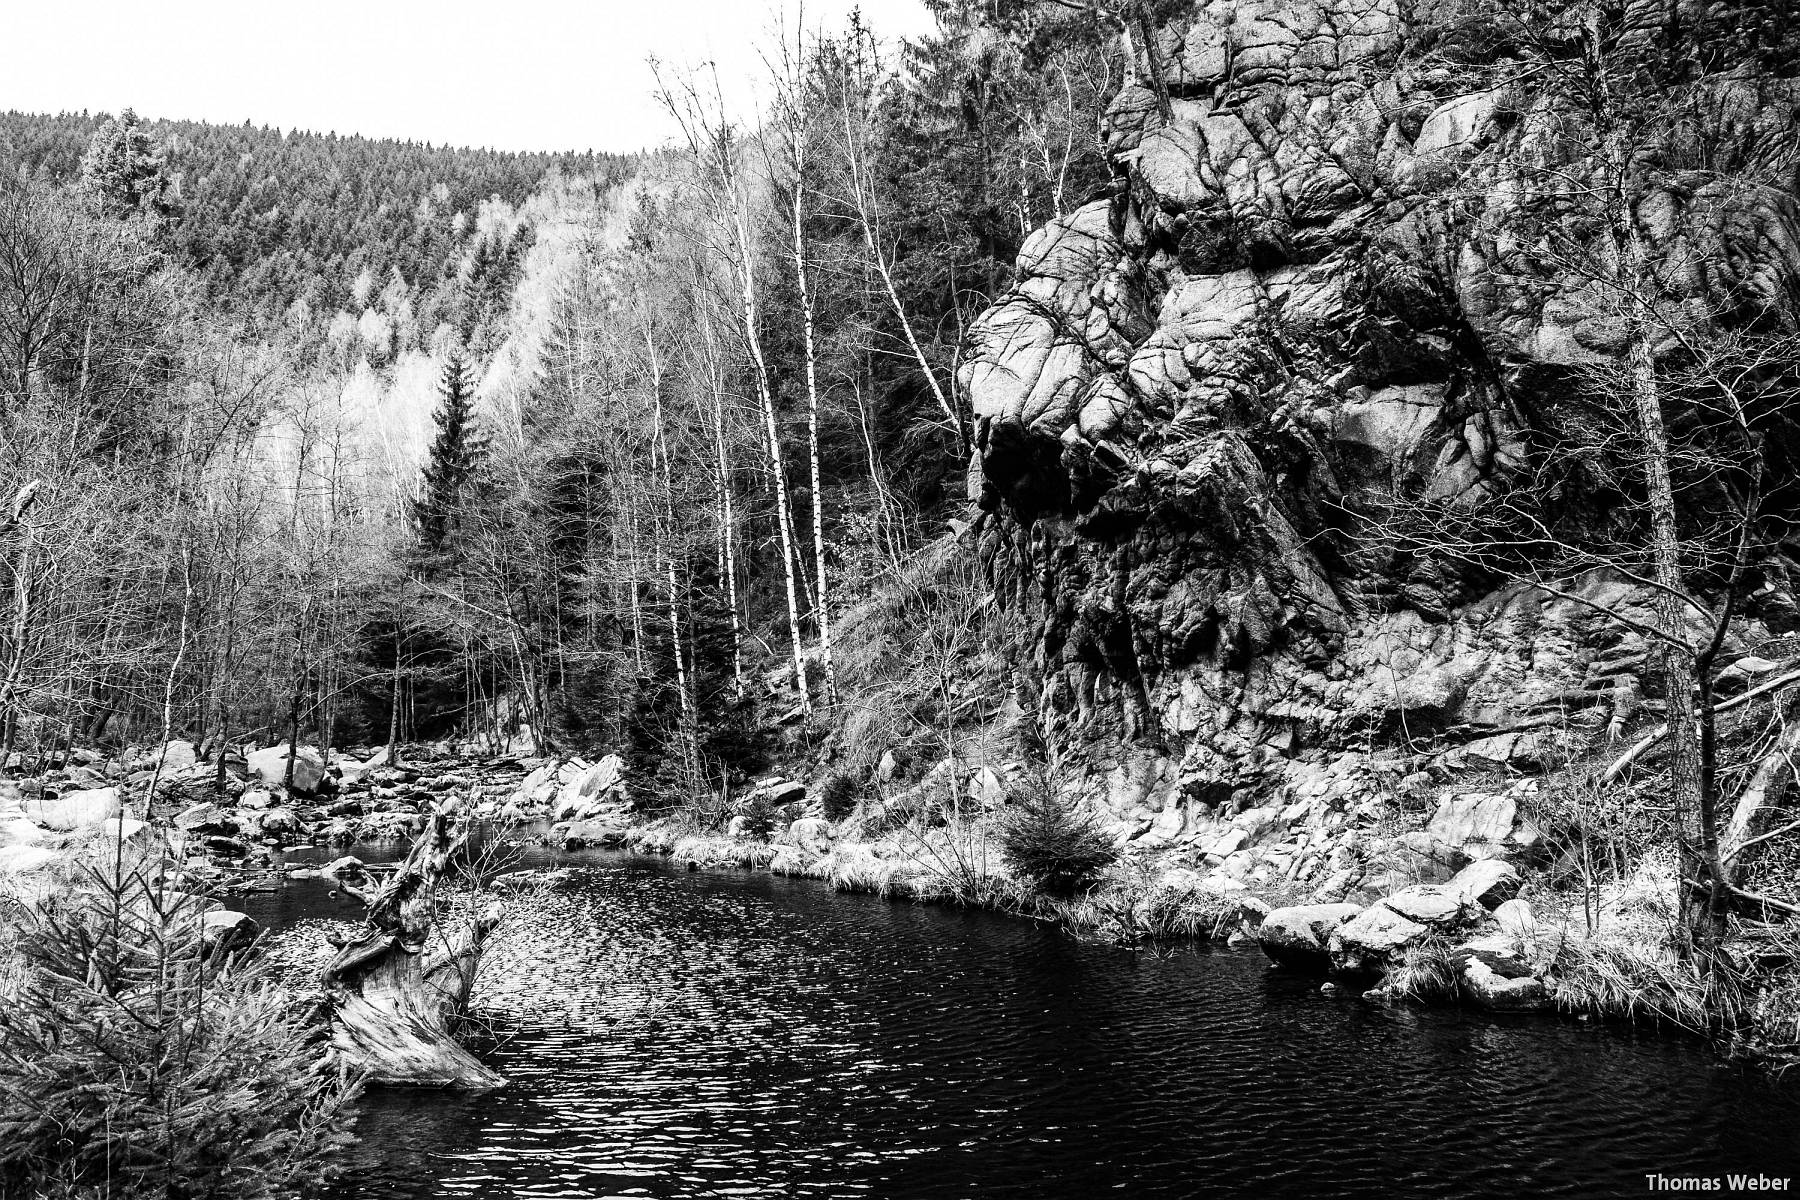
pixel 455 457
pixel 123 170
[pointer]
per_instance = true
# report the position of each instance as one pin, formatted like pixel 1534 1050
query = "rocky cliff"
pixel 1310 297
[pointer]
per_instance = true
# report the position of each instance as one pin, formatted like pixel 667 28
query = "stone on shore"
pixel 25 860
pixel 1299 935
pixel 74 810
pixel 347 867
pixel 1374 941
pixel 176 756
pixel 270 765
pixel 224 930
pixel 1499 982
pixel 19 832
pixel 1482 825
pixel 1516 919
pixel 586 793
pixel 205 818
pixel 1488 882
pixel 811 834
pixel 280 823
pixel 592 834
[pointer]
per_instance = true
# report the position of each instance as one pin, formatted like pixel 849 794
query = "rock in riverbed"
pixel 1499 981
pixel 1298 936
pixel 1373 941
pixel 270 766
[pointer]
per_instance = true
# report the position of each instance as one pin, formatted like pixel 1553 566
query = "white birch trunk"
pixel 823 593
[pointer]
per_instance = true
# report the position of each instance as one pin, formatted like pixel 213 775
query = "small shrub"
pixel 760 817
pixel 1046 843
pixel 837 796
pixel 133 1060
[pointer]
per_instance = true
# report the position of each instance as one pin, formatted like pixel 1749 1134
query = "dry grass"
pixel 1133 904
pixel 1426 973
pixel 1772 1033
pixel 1618 980
pixel 719 850
pixel 856 867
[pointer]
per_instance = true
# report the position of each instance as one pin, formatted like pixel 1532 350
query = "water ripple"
pixel 670 1035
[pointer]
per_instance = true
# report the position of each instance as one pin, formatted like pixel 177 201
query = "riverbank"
pixel 1487 938
pixel 1326 883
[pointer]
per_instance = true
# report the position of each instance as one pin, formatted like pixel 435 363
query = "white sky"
pixel 514 74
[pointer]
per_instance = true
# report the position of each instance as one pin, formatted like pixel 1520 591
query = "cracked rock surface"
pixel 1305 293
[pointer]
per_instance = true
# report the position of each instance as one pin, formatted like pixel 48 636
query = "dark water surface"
pixel 730 1034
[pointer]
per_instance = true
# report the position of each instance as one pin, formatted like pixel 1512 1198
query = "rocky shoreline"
pixel 1325 884
pixel 1487 934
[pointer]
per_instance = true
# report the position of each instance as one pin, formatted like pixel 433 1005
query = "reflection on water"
pixel 674 1034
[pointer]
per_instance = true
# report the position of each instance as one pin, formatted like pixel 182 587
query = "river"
pixel 675 1034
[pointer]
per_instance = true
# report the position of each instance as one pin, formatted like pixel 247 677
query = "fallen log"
pixel 396 991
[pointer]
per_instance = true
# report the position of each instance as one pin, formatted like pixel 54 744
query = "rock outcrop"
pixel 1311 300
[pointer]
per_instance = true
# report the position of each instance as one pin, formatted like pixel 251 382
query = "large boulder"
pixel 1516 920
pixel 1372 941
pixel 175 756
pixel 17 831
pixel 349 867
pixel 1439 904
pixel 282 824
pixel 74 810
pixel 27 873
pixel 811 834
pixel 225 930
pixel 270 765
pixel 1299 935
pixel 205 818
pixel 987 790
pixel 352 771
pixel 128 829
pixel 592 834
pixel 1490 882
pixel 1482 825
pixel 1499 981
pixel 589 791
pixel 1375 940
pixel 777 792
pixel 26 860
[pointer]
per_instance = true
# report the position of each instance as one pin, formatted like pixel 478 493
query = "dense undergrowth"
pixel 141 1057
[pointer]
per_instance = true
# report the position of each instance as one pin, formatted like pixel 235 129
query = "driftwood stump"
pixel 397 989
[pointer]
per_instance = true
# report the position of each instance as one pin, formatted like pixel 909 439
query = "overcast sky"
pixel 516 74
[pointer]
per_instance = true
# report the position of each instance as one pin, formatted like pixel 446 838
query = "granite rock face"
pixel 1303 300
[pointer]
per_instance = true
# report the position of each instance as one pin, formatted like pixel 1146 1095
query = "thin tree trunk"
pixel 660 450
pixel 727 526
pixel 867 221
pixel 777 472
pixel 823 592
pixel 1690 787
pixel 393 739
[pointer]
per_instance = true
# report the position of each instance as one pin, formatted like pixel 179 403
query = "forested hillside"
pixel 270 218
